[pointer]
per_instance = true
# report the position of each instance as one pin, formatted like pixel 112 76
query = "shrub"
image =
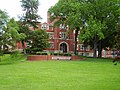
pixel 41 53
pixel 51 53
pixel 62 54
pixel 56 54
pixel 28 50
pixel 67 54
pixel 14 53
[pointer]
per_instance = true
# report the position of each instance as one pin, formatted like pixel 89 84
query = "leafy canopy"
pixel 93 30
pixel 10 34
pixel 39 39
pixel 67 12
pixel 117 38
pixel 30 8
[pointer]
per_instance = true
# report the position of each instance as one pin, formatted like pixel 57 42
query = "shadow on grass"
pixel 8 59
pixel 91 59
pixel 6 63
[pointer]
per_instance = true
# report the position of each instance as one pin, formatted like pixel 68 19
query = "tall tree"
pixel 3 20
pixel 68 12
pixel 75 13
pixel 10 35
pixel 38 40
pixel 118 37
pixel 30 8
pixel 29 18
pixel 108 12
pixel 93 32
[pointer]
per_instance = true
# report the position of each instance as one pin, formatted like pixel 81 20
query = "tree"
pixel 25 30
pixel 107 12
pixel 10 35
pixel 3 20
pixel 30 7
pixel 118 37
pixel 93 32
pixel 29 18
pixel 75 13
pixel 68 12
pixel 38 40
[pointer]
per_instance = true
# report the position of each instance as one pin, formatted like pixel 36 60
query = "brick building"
pixel 59 39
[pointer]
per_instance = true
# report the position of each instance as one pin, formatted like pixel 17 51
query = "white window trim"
pixel 53 45
pixel 50 36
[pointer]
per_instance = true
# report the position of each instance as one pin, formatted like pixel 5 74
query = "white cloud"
pixel 13 7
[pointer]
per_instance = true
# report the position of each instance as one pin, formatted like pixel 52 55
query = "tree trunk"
pixel 99 50
pixel 76 35
pixel 0 47
pixel 95 50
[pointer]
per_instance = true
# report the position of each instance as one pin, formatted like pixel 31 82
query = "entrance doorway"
pixel 63 47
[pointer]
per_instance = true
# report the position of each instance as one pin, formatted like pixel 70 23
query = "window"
pixel 63 35
pixel 81 47
pixel 63 27
pixel 51 35
pixel 51 45
pixel 50 27
pixel 87 48
pixel 45 26
pixel 28 43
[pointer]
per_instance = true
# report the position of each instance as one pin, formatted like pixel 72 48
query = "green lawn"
pixel 90 74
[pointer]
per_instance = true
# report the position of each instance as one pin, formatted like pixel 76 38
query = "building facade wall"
pixel 59 41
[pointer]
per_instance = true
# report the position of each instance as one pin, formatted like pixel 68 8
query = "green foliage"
pixel 61 54
pixel 76 13
pixel 93 30
pixel 107 12
pixel 55 54
pixel 15 53
pixel 68 12
pixel 117 38
pixel 10 35
pixel 67 54
pixel 24 31
pixel 3 18
pixel 41 53
pixel 28 19
pixel 39 39
pixel 30 7
pixel 7 59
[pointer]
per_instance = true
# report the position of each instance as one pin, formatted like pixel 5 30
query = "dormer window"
pixel 45 26
pixel 63 27
pixel 50 27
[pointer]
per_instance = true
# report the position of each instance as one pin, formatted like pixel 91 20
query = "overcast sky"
pixel 13 7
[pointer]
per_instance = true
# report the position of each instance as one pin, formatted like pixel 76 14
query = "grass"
pixel 90 74
pixel 10 59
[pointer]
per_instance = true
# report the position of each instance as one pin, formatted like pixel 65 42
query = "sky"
pixel 13 8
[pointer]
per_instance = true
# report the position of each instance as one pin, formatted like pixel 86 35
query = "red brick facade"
pixel 59 41
pixel 51 57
